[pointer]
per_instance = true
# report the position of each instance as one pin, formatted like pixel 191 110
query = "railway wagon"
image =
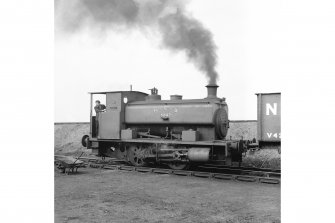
pixel 269 119
pixel 141 129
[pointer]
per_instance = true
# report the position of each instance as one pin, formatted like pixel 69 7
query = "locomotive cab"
pixel 108 124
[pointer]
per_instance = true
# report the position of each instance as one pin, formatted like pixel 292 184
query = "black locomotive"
pixel 142 128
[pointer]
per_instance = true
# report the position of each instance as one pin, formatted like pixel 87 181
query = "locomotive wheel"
pixel 179 166
pixel 84 140
pixel 136 156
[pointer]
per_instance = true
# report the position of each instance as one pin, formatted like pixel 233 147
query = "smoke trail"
pixel 188 34
pixel 179 31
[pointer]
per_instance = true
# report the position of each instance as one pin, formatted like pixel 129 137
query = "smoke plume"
pixel 179 31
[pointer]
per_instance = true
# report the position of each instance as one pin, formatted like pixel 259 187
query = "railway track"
pixel 210 171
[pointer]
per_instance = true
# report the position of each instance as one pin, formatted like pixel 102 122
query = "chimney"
pixel 211 91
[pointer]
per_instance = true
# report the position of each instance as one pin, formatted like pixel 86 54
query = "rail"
pixel 245 174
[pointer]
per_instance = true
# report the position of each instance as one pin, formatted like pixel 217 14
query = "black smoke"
pixel 179 31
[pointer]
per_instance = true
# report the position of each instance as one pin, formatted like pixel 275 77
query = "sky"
pixel 249 36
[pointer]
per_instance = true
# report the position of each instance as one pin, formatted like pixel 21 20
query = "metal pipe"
pixel 173 160
pixel 147 135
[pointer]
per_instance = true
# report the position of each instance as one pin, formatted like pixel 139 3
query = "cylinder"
pixel 198 154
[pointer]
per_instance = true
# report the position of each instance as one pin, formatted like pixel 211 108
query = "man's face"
pixel 97 103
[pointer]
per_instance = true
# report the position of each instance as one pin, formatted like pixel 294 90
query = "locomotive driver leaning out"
pixel 98 108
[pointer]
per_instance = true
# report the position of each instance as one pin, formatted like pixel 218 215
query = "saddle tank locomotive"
pixel 142 129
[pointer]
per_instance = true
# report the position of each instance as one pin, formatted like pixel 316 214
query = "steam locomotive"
pixel 141 129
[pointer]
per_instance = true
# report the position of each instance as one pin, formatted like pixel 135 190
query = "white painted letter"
pixel 269 135
pixel 273 109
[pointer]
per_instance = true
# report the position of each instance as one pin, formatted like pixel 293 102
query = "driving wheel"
pixel 136 156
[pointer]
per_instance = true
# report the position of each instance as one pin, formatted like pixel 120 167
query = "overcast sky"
pixel 250 37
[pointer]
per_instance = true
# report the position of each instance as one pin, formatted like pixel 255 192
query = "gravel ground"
pixel 94 195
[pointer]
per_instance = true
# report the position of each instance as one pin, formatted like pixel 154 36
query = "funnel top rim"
pixel 212 85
